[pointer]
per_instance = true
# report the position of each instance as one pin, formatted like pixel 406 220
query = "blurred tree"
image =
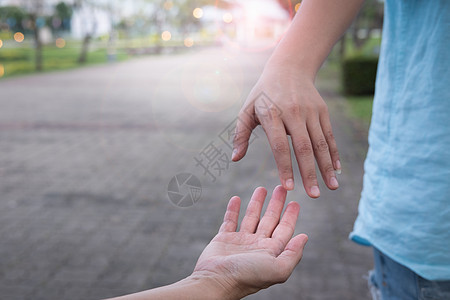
pixel 28 16
pixel 36 10
pixel 12 18
pixel 175 14
pixel 370 17
pixel 87 9
pixel 63 10
pixel 158 18
pixel 179 14
pixel 114 8
pixel 63 15
pixel 185 19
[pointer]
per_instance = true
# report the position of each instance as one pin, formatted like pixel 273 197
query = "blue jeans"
pixel 392 281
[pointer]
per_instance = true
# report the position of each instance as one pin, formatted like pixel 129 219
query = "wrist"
pixel 215 286
pixel 291 65
pixel 290 68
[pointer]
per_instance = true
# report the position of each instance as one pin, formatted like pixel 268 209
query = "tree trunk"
pixel 38 44
pixel 85 49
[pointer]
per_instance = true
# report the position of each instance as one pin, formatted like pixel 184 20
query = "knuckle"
pixel 238 138
pixel 230 222
pixel 323 107
pixel 307 109
pixel 322 146
pixel 329 135
pixel 334 152
pixel 246 117
pixel 329 168
pixel 238 135
pixel 239 144
pixel 303 148
pixel 273 216
pixel 311 175
pixel 268 112
pixel 280 147
pixel 273 110
pixel 284 223
pixel 285 170
pixel 253 217
pixel 242 117
pixel 294 109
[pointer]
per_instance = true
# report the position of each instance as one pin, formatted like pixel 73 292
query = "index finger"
pixel 244 127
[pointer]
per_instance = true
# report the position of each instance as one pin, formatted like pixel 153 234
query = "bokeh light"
pixel 188 42
pixel 1 43
pixel 2 70
pixel 19 37
pixel 297 6
pixel 211 84
pixel 227 17
pixel 198 13
pixel 168 5
pixel 60 43
pixel 166 36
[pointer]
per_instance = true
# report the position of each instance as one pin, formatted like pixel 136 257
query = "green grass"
pixel 17 61
pixel 360 107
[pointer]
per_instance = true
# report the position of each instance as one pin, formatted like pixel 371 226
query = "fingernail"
pixel 233 156
pixel 315 192
pixel 289 184
pixel 338 167
pixel 333 182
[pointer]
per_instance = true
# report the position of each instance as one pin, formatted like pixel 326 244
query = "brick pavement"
pixel 86 156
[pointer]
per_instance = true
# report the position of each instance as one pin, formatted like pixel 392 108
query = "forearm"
pixel 193 287
pixel 317 26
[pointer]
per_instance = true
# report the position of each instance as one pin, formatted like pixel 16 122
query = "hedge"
pixel 12 55
pixel 20 67
pixel 359 74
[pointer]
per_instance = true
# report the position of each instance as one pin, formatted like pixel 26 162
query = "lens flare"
pixel 197 13
pixel 297 6
pixel 211 86
pixel 166 36
pixel 19 37
pixel 60 43
pixel 259 25
pixel 1 43
pixel 168 5
pixel 188 42
pixel 227 17
pixel 2 70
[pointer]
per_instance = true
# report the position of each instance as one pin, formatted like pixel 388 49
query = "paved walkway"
pixel 86 158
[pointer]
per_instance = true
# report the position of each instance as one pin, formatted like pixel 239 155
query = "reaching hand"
pixel 262 253
pixel 286 103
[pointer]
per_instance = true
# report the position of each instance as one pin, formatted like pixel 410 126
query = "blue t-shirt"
pixel 404 209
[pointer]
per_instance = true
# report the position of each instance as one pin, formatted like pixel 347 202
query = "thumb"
pixel 293 252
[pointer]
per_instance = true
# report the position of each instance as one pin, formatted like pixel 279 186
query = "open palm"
pixel 263 251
